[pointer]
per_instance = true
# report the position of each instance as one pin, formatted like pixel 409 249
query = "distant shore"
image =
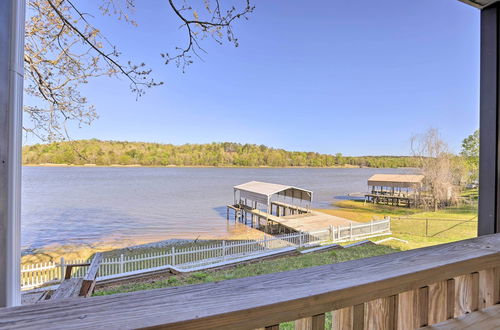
pixel 187 166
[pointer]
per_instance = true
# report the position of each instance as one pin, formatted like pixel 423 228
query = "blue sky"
pixel 356 77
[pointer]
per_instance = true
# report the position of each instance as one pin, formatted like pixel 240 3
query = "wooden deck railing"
pixel 401 290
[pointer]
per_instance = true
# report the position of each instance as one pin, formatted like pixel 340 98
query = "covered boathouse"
pixel 260 204
pixel 276 209
pixel 263 194
pixel 395 189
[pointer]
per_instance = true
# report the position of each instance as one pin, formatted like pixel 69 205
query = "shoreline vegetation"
pixel 90 153
pixel 186 166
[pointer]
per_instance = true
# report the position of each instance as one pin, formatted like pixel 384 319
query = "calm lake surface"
pixel 88 206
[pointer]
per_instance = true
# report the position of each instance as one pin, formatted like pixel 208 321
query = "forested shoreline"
pixel 106 153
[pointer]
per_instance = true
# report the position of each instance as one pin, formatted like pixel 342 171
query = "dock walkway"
pixel 293 218
pixel 313 221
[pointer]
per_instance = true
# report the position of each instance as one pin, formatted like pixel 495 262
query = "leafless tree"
pixel 437 167
pixel 64 50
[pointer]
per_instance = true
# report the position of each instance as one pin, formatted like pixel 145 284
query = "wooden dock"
pixel 313 221
pixel 256 204
pixel 286 218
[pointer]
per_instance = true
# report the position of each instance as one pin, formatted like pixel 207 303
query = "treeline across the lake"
pixel 213 154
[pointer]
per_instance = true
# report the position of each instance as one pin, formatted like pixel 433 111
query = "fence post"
pixel 265 242
pixel 350 230
pixel 426 227
pixel 62 268
pixel 371 226
pixel 338 232
pixel 121 263
pixel 223 250
pixel 173 255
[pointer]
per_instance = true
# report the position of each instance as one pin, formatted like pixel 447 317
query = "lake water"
pixel 89 206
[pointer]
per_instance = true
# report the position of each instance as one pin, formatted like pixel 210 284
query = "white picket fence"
pixel 35 275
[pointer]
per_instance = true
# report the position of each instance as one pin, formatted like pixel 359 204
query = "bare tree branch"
pixel 63 50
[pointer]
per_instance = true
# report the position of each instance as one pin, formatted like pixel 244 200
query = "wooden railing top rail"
pixel 263 300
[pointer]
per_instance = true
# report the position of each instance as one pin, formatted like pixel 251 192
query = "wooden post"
pixel 489 187
pixel 332 238
pixel 173 255
pixel 223 250
pixel 12 14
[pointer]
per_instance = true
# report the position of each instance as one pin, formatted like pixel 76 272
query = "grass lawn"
pixel 258 268
pixel 443 226
pixel 419 227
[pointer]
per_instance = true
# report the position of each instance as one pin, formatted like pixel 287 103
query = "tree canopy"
pixel 214 154
pixel 470 152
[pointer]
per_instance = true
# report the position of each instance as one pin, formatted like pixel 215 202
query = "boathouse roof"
pixel 396 180
pixel 262 191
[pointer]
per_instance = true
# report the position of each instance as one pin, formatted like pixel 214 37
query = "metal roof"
pixel 396 180
pixel 479 3
pixel 260 191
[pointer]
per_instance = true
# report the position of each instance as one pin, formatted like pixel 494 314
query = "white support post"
pixel 371 226
pixel 11 99
pixel 223 250
pixel 332 233
pixel 350 230
pixel 62 268
pixel 173 255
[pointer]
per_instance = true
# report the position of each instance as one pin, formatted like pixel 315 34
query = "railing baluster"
pixel 316 322
pixel 342 319
pixel 437 302
pixel 464 302
pixel 488 288
pixel 378 314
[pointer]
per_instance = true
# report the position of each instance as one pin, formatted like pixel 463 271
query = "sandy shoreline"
pixel 134 245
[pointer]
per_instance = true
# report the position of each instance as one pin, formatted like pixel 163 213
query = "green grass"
pixel 441 226
pixel 471 193
pixel 258 268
